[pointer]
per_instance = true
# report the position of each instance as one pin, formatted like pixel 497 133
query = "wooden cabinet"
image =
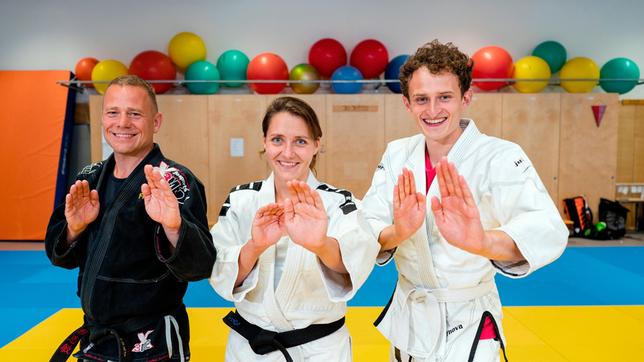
pixel 558 132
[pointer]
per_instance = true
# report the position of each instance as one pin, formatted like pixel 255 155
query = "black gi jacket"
pixel 128 278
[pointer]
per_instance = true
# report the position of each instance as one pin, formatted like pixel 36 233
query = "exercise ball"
pixel 304 72
pixel 105 71
pixel 619 68
pixel 392 72
pixel 83 70
pixel 153 65
pixel 553 53
pixel 232 65
pixel 346 73
pixel 202 70
pixel 186 48
pixel 531 67
pixel 370 57
pixel 327 55
pixel 267 66
pixel 579 68
pixel 491 62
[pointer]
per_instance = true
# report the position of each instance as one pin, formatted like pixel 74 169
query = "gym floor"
pixel 586 306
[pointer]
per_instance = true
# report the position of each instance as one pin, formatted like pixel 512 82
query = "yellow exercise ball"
pixel 579 68
pixel 186 48
pixel 105 71
pixel 531 67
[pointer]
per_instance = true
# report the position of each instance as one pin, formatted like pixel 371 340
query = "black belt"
pixel 263 341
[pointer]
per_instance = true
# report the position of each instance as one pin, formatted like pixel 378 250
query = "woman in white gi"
pixel 291 250
pixel 490 213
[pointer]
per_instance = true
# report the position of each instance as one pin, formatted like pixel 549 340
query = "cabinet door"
pixel 355 140
pixel 399 122
pixel 588 153
pixel 532 121
pixel 235 129
pixel 183 136
pixel 638 145
pixel 486 110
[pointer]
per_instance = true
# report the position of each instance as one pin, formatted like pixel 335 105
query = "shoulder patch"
pixel 90 169
pixel 177 180
pixel 348 206
pixel 256 186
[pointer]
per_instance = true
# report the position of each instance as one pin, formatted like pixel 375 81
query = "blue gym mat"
pixel 34 289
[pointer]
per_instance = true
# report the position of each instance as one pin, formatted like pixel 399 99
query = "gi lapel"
pixel 267 265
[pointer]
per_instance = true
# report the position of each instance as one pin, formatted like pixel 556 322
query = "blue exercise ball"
pixel 346 73
pixel 393 72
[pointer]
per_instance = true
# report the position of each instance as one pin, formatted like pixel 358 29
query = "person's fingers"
pixel 467 193
pixel 421 199
pixel 440 175
pixel 407 182
pixel 396 197
pixel 412 183
pixel 401 188
pixel 145 190
pixel 317 200
pixel 454 176
pixel 69 206
pixel 93 197
pixel 449 183
pixel 84 189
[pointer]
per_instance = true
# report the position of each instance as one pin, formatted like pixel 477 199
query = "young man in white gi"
pixel 490 213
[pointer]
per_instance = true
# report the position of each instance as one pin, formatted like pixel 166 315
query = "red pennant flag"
pixel 598 112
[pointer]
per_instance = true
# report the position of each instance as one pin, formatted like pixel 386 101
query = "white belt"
pixel 419 294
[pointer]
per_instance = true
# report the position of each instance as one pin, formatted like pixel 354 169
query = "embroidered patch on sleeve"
pixel 177 181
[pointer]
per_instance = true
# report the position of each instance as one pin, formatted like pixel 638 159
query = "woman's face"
pixel 289 147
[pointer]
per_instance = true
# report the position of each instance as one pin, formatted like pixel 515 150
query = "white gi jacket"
pixel 308 292
pixel 442 290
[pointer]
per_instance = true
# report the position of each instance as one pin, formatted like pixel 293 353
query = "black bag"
pixel 614 215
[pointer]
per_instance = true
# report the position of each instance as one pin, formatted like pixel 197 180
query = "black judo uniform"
pixel 129 279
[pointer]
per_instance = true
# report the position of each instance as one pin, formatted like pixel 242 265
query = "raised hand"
pixel 81 208
pixel 268 226
pixel 409 206
pixel 160 203
pixel 305 217
pixel 456 213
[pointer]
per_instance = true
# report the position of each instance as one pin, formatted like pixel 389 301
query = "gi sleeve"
pixel 229 238
pixel 194 255
pixel 358 250
pixel 377 205
pixel 58 251
pixel 525 212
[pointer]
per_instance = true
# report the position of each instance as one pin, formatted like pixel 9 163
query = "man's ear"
pixel 158 120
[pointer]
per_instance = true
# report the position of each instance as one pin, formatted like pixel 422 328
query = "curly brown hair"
pixel 438 58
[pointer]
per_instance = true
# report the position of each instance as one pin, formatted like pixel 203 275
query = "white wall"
pixel 54 34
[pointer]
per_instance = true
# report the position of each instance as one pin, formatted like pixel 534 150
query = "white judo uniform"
pixel 305 291
pixel 442 291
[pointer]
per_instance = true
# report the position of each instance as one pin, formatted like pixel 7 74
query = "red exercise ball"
pixel 327 55
pixel 267 66
pixel 370 57
pixel 83 70
pixel 154 65
pixel 491 62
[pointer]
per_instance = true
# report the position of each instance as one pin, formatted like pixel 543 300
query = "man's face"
pixel 436 102
pixel 129 120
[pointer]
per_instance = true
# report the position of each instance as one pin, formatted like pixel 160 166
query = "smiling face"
pixel 129 121
pixel 290 147
pixel 436 102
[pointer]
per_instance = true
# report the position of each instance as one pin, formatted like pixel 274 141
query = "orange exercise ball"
pixel 83 70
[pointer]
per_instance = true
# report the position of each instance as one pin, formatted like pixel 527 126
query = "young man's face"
pixel 129 120
pixel 436 102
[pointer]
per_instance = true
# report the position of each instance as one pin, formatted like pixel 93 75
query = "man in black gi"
pixel 135 224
